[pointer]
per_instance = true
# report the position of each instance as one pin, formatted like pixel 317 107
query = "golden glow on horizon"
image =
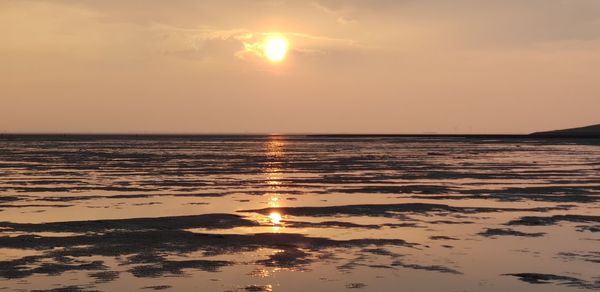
pixel 276 48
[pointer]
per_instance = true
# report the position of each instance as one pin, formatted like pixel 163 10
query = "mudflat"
pixel 265 213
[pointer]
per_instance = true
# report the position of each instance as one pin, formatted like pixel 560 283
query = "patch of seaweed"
pixel 537 278
pixel 150 248
pixel 386 210
pixel 208 221
pixel 493 232
pixel 434 268
pixel 551 220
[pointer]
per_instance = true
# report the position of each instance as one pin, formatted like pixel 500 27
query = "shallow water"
pixel 299 213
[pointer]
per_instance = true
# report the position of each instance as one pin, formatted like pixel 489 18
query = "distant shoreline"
pixel 587 131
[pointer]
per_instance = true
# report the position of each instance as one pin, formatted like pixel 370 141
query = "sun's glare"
pixel 275 218
pixel 276 48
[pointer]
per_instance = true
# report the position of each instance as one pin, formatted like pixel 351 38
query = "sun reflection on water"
pixel 274 152
pixel 260 273
pixel 275 218
pixel 274 201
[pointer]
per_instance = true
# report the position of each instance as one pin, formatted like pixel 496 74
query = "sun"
pixel 276 48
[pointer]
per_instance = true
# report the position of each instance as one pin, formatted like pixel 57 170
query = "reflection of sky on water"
pixel 137 179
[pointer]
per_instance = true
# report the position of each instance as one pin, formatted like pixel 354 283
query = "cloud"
pixel 348 12
pixel 341 5
pixel 210 44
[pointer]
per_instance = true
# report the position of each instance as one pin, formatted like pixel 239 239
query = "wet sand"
pixel 299 213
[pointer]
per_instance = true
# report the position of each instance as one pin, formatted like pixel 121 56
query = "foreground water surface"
pixel 299 213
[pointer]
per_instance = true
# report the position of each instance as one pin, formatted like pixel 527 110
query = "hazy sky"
pixel 384 66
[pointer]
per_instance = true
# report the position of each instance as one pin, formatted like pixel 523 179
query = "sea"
pixel 299 213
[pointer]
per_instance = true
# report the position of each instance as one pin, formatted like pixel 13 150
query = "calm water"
pixel 294 213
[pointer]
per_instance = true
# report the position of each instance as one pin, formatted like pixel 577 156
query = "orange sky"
pixel 378 66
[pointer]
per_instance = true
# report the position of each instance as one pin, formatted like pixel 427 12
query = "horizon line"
pixel 189 134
